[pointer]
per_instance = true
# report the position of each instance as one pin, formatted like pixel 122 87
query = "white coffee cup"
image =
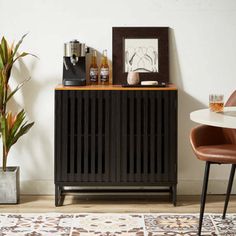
pixel 133 78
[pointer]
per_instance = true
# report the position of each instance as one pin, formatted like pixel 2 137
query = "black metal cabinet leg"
pixel 59 197
pixel 171 194
pixel 174 194
pixel 203 197
pixel 56 195
pixel 229 188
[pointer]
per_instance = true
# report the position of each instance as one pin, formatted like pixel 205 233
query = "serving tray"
pixel 148 86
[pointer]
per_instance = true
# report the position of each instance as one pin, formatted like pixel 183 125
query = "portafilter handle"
pixel 64 62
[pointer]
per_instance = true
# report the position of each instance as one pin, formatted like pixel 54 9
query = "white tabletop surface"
pixel 226 119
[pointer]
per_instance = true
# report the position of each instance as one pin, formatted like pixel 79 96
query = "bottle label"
pixel 104 74
pixel 93 74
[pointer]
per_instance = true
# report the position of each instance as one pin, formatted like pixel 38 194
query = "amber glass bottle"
pixel 104 69
pixel 93 69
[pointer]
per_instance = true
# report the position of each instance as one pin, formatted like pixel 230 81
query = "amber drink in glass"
pixel 216 102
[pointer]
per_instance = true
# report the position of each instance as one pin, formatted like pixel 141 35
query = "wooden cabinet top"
pixel 113 87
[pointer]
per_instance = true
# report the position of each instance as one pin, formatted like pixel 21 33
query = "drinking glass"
pixel 216 102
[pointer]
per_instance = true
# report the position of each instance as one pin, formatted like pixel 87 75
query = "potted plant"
pixel 12 126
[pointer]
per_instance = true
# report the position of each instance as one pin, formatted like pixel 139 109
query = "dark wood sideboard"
pixel 110 136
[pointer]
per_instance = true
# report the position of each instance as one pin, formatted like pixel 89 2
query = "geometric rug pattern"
pixel 106 224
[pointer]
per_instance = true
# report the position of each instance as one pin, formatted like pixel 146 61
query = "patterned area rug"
pixel 114 224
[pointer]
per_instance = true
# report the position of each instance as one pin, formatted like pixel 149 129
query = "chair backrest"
pixel 232 100
pixel 230 134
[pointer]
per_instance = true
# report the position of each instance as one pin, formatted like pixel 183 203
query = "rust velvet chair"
pixel 215 145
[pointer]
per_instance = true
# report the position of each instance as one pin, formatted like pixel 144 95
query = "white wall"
pixel 202 60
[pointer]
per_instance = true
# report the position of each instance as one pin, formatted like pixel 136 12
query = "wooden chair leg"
pixel 229 188
pixel 203 196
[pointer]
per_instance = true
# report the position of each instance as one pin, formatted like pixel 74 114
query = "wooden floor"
pixel 75 204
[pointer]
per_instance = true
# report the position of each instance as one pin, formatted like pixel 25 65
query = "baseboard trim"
pixel 194 187
pixel 184 187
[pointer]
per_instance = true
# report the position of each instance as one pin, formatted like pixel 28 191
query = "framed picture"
pixel 140 49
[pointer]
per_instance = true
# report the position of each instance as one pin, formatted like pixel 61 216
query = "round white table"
pixel 225 119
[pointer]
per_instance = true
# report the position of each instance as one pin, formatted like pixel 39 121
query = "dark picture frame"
pixel 120 34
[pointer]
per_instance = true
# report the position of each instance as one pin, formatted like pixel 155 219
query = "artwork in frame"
pixel 140 49
pixel 141 55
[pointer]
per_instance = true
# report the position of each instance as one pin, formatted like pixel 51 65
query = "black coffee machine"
pixel 74 63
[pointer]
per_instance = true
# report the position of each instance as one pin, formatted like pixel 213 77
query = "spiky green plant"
pixel 12 127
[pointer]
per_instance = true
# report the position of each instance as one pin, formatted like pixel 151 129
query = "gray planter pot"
pixel 10 185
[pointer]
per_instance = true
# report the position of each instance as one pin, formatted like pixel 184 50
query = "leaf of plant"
pixel 1 63
pixel 8 68
pixel 1 58
pixel 18 45
pixel 19 120
pixel 1 101
pixel 16 89
pixel 4 49
pixel 1 90
pixel 4 130
pixel 17 124
pixel 23 130
pixel 10 50
pixel 9 119
pixel 23 54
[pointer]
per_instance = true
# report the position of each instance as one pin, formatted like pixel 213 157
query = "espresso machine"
pixel 74 63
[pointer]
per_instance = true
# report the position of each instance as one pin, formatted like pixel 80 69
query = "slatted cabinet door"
pixel 148 127
pixel 82 136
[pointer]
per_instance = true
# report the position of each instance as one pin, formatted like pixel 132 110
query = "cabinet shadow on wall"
pixel 186 104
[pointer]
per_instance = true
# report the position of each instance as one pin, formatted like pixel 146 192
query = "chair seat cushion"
pixel 225 153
